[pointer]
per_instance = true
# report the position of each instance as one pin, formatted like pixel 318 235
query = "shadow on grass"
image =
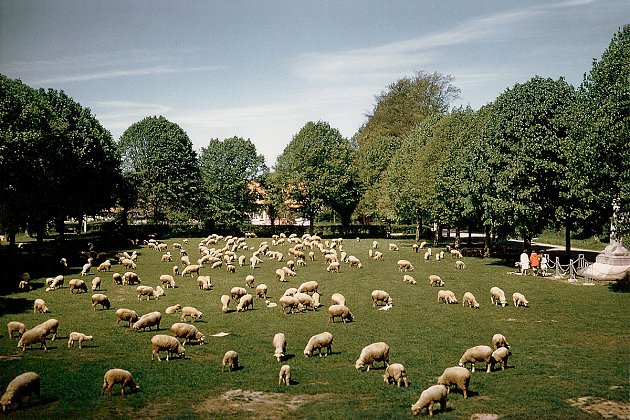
pixel 620 286
pixel 15 305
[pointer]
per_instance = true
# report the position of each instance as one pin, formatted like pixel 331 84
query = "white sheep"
pixel 308 287
pixel 280 346
pixel 428 397
pixel 375 352
pixel 167 257
pixel 39 306
pixel 118 376
pixel 193 313
pixel 306 301
pixel 261 291
pixel 316 300
pixel 354 262
pixel 500 355
pixel 78 285
pixel 237 292
pixel 311 256
pixel 378 256
pixel 167 280
pixel 520 300
pixel 446 296
pixel 96 283
pixel 170 345
pixel 469 299
pixel 460 264
pixel 393 247
pixel 476 354
pixel 128 315
pixel 340 311
pixel 173 309
pixel 290 302
pixel 427 255
pixel 204 282
pixel 78 337
pixel 246 302
pixel 86 267
pixel 117 278
pixel 333 267
pixel 225 301
pixel 405 265
pixel 104 266
pixel 254 260
pixel 381 296
pixel 190 270
pixel 20 388
pixel 50 326
pixel 338 299
pixel 374 244
pixel 280 274
pixel 175 270
pixel 396 373
pixel 130 278
pixel 128 264
pixel 152 319
pixel 33 336
pixel 455 253
pixel 498 340
pixel 284 377
pixel 149 292
pixel 230 361
pixel 249 281
pixel 15 326
pixel 458 376
pixel 319 342
pixel 187 332
pixel 435 280
pixel 497 297
pixel 291 291
pixel 409 279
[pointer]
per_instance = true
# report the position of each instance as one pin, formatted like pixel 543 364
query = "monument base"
pixel 612 264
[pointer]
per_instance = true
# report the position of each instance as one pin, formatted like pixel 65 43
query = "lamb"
pixel 149 292
pixel 404 265
pixel 173 309
pixel 190 269
pixel 96 283
pixel 333 267
pixel 393 247
pixel 280 275
pixel 435 281
pixel 408 279
pixel 319 342
pixel 249 281
pixel 39 306
pixel 381 296
pixel 230 361
pixel 447 297
pixel 130 278
pixel 375 352
pixel 280 346
pixel 77 336
pixel 225 301
pixel 78 285
pixel 152 319
pixel 128 315
pixel 498 341
pixel 308 287
pixel 168 280
pixel 104 266
pixel 476 354
pixel 290 302
pixel 187 332
pixel 189 311
pixel 15 326
pixel 415 247
pixel 340 311
pixel 497 297
pixel 204 282
pixel 458 376
pixel 520 300
pixel 500 355
pixel 284 377
pixel 338 299
pixel 460 264
pixel 237 292
pixel 261 291
pixel 33 336
pixel 247 301
pixel 170 345
pixel 431 395
pixel 20 388
pixel 469 299
pixel 118 376
pixel 396 372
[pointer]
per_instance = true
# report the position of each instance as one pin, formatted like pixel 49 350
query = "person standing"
pixel 524 263
pixel 534 261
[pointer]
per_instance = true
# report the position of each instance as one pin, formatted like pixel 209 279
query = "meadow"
pixel 572 342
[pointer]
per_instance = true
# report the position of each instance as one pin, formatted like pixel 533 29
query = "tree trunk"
pixel 418 225
pixel 11 239
pixel 487 242
pixel 41 232
pixel 436 237
pixel 311 224
pixel 60 226
pixel 567 238
pixel 469 235
pixel 457 237
pixel 527 242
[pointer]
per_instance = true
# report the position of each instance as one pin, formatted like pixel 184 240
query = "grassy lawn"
pixel 572 342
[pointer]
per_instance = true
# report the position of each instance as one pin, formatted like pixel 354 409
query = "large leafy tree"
pixel 159 153
pixel 317 169
pixel 229 169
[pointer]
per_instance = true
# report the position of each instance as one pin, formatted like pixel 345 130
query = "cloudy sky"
pixel 261 69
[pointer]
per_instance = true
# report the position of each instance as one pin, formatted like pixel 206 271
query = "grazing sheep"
pixel 375 352
pixel 280 275
pixel 311 256
pixel 78 285
pixel 216 264
pixel 130 278
pixel 476 354
pixel 96 283
pixel 306 301
pixel 427 255
pixel 354 262
pixel 428 397
pixel 25 281
pixel 173 309
pixel 396 373
pixel 338 299
pixel 316 300
pixel 117 278
pixel 86 267
pixel 408 279
pixel 308 287
pixel 435 281
pixel 497 297
pixel 55 282
pixel 168 280
pixel 167 257
pixel 170 345
pixel 175 270
pixel 500 355
pixel 204 282
pixel 284 377
pixel 415 247
pixel 291 291
pixel 446 296
pixel 193 313
pixel 225 301
pixel 319 342
pixel 33 336
pixel 280 346
pixel 20 388
pixel 230 361
pixel 333 267
pixel 469 299
pixel 149 292
pixel 126 315
pixel 50 326
pixel 190 269
pixel 289 272
pixel 39 306
pixel 455 253
pixel 104 266
pixel 340 311
pixel 15 326
pixel 241 260
pixel 393 247
pixel 249 281
pixel 404 265
pixel 187 332
pixel 374 244
pixel 381 296
pixel 460 264
pixel 118 376
pixel 253 261
pixel 152 319
pixel 261 291
pixel 128 264
pixel 247 301
pixel 290 302
pixel 77 336
pixel 520 300
pixel 458 376
pixel 378 256
pixel 498 340
pixel 237 292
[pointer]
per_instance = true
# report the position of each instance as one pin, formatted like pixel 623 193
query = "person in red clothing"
pixel 534 262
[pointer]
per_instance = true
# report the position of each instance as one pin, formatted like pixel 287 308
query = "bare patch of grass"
pixel 605 408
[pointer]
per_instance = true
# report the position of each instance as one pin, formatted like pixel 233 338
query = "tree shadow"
pixel 15 305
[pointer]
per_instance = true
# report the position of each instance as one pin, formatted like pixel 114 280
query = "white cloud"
pixel 111 74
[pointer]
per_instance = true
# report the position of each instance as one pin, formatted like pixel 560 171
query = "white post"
pixel 572 272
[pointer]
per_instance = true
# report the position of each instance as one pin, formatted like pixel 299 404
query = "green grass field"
pixel 574 341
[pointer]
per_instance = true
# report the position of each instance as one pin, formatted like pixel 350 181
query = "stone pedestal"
pixel 612 264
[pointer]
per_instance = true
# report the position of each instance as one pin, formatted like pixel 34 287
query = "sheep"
pixel 378 256
pixel 168 280
pixel 149 292
pixel 476 354
pixel 117 278
pixel 187 332
pixel 261 291
pixel 96 283
pixel 427 255
pixel 460 264
pixel 500 355
pixel 50 326
pixel 319 342
pixel 316 300
pixel 15 326
pixel 55 282
pixel 20 388
pixel 447 297
pixel 193 313
pixel 408 279
pixel 458 376
pixel 77 336
pixel 225 301
pixel 341 311
pixel 33 336
pixel 104 266
pixel 173 309
pixel 469 299
pixel 237 292
pixel 308 287
pixel 396 372
pixel 128 264
pixel 39 306
pixel 381 296
pixel 311 256
pixel 338 299
pixel 167 257
pixel 230 361
pixel 128 315
pixel 204 282
pixel 291 291
pixel 455 253
pixel 280 275
pixel 25 281
pixel 78 285
pixel 431 395
pixel 497 297
pixel 118 376
pixel 404 265
pixel 354 262
pixel 170 345
pixel 190 269
pixel 289 272
pixel 254 260
pixel 130 278
pixel 86 267
pixel 152 319
pixel 216 264
pixel 375 352
pixel 498 340
pixel 249 281
pixel 290 302
pixel 300 262
pixel 333 267
pixel 284 377
pixel 435 280
pixel 374 244
pixel 175 270
pixel 415 247
pixel 393 247
pixel 280 346
pixel 247 301
pixel 520 300
pixel 306 301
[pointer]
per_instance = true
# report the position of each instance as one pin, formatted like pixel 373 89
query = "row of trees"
pixel 542 154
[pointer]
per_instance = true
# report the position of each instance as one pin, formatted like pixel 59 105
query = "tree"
pixel 317 169
pixel 160 155
pixel 229 169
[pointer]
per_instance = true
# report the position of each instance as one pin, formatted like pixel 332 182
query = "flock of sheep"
pixel 303 298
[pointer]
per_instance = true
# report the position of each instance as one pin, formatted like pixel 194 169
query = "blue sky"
pixel 262 69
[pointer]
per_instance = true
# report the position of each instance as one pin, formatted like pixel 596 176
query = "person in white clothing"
pixel 524 263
